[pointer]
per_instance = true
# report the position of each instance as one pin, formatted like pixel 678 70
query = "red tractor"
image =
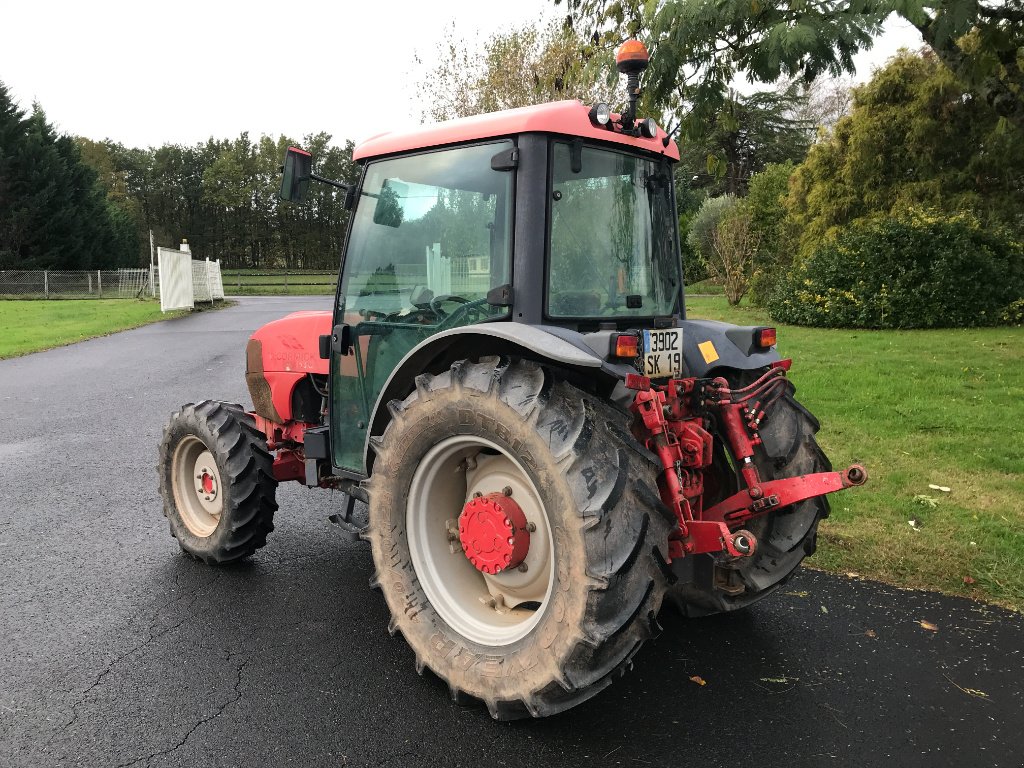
pixel 547 447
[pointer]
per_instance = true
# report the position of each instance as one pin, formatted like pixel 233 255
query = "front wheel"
pixel 217 482
pixel 514 536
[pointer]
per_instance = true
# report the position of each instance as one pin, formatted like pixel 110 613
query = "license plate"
pixel 662 354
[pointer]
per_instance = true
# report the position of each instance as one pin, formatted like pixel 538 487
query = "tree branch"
pixel 995 91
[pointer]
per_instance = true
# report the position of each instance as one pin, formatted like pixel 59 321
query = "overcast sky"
pixel 146 73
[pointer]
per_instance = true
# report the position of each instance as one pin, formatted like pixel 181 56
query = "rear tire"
pixel 784 538
pixel 217 482
pixel 594 605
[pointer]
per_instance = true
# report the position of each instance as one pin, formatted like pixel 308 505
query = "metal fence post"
pixel 286 281
pixel 46 284
pixel 99 282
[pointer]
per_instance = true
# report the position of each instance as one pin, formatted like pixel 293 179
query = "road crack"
pixel 220 710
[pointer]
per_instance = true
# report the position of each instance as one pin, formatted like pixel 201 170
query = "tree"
pixel 700 46
pixel 915 137
pixel 53 211
pixel 826 100
pixel 746 135
pixel 523 66
pixel 700 237
pixel 734 245
pixel 766 202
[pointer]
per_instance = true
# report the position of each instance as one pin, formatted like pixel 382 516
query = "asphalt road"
pixel 116 650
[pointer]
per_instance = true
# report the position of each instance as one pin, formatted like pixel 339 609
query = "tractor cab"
pixel 534 218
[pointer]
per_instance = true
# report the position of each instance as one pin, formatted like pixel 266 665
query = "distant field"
pixel 917 408
pixel 705 287
pixel 267 282
pixel 30 326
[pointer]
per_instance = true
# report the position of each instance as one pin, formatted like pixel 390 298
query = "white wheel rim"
pixel 198 491
pixel 488 609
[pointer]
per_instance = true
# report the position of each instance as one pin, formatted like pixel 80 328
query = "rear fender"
pixel 709 345
pixel 437 353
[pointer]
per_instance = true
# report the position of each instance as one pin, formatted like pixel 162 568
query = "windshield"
pixel 613 248
pixel 430 235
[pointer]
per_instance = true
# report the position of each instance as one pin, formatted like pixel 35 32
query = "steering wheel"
pixel 437 301
pixel 466 307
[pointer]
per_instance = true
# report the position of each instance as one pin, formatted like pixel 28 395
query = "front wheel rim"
pixel 198 490
pixel 492 610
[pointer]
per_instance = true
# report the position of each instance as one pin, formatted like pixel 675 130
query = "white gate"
pixel 176 291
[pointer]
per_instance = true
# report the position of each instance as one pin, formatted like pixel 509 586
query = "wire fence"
pixel 142 283
pixel 81 284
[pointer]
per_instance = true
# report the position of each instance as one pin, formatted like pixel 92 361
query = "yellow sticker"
pixel 707 349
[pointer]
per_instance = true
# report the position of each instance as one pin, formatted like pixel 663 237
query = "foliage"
pixel 703 225
pixel 699 46
pixel 766 201
pixel 734 244
pixel 54 214
pixel 517 68
pixel 915 270
pixel 914 137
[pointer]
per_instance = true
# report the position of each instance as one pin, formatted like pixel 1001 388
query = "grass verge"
pixel 31 326
pixel 279 283
pixel 917 408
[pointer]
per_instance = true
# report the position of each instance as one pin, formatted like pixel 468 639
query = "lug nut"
pixel 507 490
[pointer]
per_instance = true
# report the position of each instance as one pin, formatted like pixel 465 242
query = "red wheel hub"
pixel 493 531
pixel 207 483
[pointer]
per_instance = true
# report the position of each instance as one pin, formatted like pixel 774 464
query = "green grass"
pixel 916 408
pixel 272 282
pixel 30 326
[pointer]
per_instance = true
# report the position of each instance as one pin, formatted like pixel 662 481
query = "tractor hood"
pixel 292 344
pixel 279 356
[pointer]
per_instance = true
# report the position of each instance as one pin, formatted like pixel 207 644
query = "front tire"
pixel 217 482
pixel 528 642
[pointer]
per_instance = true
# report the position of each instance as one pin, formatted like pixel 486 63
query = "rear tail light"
pixel 625 345
pixel 764 338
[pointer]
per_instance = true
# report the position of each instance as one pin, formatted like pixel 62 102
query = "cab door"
pixel 431 235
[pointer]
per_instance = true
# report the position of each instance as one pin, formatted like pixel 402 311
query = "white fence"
pixel 184 280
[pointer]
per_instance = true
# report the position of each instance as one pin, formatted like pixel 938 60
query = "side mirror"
pixel 388 210
pixel 298 169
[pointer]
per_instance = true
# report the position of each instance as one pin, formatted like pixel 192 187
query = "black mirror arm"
pixel 330 182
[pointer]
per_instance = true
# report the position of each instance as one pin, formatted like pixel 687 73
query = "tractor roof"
pixel 567 118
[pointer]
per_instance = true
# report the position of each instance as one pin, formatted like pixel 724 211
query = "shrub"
pixel 766 201
pixel 918 269
pixel 703 226
pixel 735 241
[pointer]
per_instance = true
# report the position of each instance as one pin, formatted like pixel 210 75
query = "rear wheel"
pixel 217 482
pixel 784 538
pixel 515 536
